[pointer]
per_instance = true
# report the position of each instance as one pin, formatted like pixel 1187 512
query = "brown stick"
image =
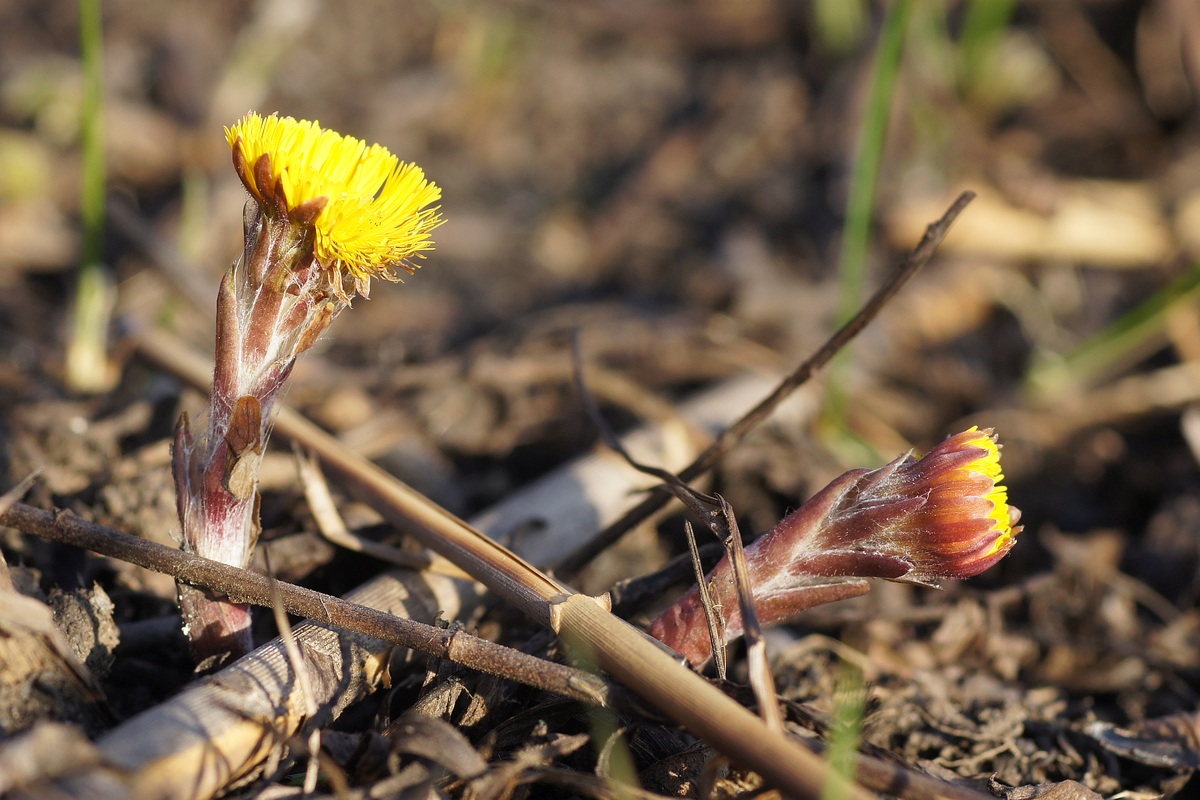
pixel 244 586
pixel 408 510
pixel 920 255
pixel 614 645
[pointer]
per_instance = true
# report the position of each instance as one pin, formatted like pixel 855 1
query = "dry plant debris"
pixel 668 180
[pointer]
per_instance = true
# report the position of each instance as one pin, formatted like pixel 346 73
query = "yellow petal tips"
pixel 370 212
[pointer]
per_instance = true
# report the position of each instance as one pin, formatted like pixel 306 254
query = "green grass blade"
pixel 92 129
pixel 839 23
pixel 1116 345
pixel 864 182
pixel 864 177
pixel 846 733
pixel 87 365
pixel 983 30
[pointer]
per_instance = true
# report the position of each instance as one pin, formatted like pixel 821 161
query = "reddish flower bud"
pixel 945 515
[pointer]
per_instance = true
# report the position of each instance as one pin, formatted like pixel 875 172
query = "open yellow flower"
pixel 329 214
pixel 369 211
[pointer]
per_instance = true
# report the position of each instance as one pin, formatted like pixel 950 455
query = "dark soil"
pixel 669 179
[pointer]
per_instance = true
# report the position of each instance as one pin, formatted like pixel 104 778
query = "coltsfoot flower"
pixel 328 213
pixel 918 520
pixel 370 213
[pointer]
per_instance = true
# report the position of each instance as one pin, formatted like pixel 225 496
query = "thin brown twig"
pixel 718 515
pixel 761 679
pixel 711 615
pixel 703 505
pixel 714 511
pixel 919 256
pixel 250 587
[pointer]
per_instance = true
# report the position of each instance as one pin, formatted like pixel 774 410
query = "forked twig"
pixel 715 623
pixel 919 256
pixel 718 516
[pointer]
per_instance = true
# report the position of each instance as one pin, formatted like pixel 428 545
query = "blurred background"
pixel 700 189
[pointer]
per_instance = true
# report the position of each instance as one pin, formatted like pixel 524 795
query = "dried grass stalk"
pixel 222 728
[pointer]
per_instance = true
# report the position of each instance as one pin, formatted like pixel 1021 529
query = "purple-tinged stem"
pixel 272 305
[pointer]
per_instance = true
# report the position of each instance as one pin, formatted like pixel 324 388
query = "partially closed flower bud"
pixel 918 520
pixel 945 515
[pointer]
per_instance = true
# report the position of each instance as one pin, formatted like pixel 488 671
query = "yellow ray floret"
pixel 375 217
pixel 989 465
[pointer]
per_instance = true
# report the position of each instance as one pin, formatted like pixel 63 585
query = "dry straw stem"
pixel 762 681
pixel 612 644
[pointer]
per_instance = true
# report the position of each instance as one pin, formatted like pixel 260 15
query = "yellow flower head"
pixel 368 210
pixel 945 515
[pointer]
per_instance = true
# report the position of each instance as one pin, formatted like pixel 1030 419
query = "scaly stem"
pixel 272 305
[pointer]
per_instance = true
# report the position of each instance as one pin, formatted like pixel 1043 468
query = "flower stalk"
pixel 327 213
pixel 915 520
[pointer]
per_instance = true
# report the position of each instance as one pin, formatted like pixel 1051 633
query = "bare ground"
pixel 668 179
